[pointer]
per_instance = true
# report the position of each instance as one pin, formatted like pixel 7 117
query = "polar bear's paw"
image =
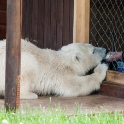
pixel 28 95
pixel 101 68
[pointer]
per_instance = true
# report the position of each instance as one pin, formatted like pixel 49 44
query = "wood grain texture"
pixel 82 20
pixel 59 23
pixel 71 20
pixel 2 32
pixel 49 22
pixel 47 34
pixel 110 89
pixel 40 28
pixel 65 21
pixel 13 54
pixel 34 22
pixel 3 4
pixel 114 76
pixel 53 27
pixel 2 17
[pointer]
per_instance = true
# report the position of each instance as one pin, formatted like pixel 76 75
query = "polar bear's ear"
pixel 77 57
pixel 67 48
pixel 64 48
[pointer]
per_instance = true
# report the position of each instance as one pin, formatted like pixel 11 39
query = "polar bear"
pixel 63 72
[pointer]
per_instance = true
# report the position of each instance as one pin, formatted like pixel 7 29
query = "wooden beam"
pixel 111 89
pixel 81 21
pixel 114 76
pixel 2 18
pixel 2 32
pixel 3 4
pixel 13 38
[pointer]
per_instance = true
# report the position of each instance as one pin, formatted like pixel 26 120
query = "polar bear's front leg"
pixel 84 85
pixel 28 95
pixel 92 82
pixel 25 90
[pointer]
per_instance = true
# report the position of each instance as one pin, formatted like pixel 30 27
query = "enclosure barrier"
pixel 106 26
pixel 13 47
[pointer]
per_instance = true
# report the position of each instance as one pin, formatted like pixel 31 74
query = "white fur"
pixel 45 71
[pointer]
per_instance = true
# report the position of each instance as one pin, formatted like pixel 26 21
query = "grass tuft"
pixel 59 116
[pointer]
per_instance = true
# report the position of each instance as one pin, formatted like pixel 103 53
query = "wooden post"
pixel 12 78
pixel 81 21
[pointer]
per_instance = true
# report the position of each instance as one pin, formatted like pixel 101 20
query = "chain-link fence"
pixel 107 25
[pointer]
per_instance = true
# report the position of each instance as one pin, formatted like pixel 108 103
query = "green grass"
pixel 59 116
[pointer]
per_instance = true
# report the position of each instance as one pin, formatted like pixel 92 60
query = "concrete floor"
pixel 93 103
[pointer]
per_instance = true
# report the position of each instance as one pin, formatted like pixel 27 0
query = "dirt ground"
pixel 94 103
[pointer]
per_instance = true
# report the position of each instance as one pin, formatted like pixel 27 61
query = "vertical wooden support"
pixel 81 21
pixel 12 79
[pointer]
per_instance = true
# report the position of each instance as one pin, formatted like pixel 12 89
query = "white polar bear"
pixel 63 72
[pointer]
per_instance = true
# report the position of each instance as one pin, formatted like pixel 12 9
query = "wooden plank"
pixel 71 20
pixel 3 4
pixel 74 24
pixel 3 17
pixel 28 18
pixel 2 32
pixel 34 19
pixel 65 22
pixel 24 18
pixel 114 76
pixel 41 12
pixel 53 24
pixel 111 89
pixel 59 23
pixel 13 55
pixel 47 33
pixel 82 20
pixel 44 21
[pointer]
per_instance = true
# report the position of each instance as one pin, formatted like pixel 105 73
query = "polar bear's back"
pixel 2 66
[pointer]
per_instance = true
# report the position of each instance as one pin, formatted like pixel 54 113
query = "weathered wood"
pixel 53 24
pixel 74 24
pixel 12 79
pixel 29 19
pixel 65 21
pixel 3 4
pixel 71 20
pixel 34 22
pixel 82 20
pixel 116 77
pixel 2 32
pixel 41 12
pixel 3 17
pixel 47 34
pixel 50 22
pixel 24 5
pixel 59 23
pixel 111 89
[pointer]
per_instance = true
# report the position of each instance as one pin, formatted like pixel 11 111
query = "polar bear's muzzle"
pixel 100 51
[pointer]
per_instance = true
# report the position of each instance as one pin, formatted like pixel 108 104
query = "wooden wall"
pixel 81 21
pixel 49 22
pixel 2 19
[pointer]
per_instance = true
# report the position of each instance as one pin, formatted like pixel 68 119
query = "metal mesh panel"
pixel 107 25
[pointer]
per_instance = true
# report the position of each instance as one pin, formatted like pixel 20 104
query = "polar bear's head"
pixel 84 56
